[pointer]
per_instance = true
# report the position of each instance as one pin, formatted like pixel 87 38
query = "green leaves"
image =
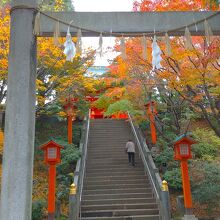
pixel 174 178
pixel 122 106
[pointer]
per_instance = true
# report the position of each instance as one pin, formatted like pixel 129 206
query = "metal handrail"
pixel 79 172
pixel 143 158
pixel 85 153
pixel 152 172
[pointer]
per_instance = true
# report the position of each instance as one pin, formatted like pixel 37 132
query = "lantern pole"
pixel 182 152
pixel 70 128
pixel 51 191
pixel 186 187
pixel 52 158
pixel 151 111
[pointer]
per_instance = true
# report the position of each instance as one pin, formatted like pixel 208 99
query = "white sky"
pixel 102 5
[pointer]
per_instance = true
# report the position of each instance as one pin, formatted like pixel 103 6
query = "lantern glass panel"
pixel 184 149
pixel 52 153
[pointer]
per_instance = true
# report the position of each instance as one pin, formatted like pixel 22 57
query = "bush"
pixel 174 178
pixel 70 154
pixel 206 184
pixel 37 209
pixel 165 156
pixel 208 144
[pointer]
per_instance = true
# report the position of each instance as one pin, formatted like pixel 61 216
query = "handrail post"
pixel 165 200
pixel 73 212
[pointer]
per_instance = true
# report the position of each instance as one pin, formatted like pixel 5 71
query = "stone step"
pixel 107 201
pixel 117 191
pixel 117 166
pixel 115 173
pixel 100 178
pixel 119 206
pixel 115 181
pixel 140 217
pixel 128 212
pixel 107 161
pixel 117 186
pixel 112 188
pixel 114 169
pixel 118 196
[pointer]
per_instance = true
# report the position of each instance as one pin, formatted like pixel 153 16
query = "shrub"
pixel 174 178
pixel 37 209
pixel 70 154
pixel 208 144
pixel 206 184
pixel 165 156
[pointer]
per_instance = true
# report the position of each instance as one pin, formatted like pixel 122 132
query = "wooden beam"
pixel 131 23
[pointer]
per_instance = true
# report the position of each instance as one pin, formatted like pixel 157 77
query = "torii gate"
pixel 16 191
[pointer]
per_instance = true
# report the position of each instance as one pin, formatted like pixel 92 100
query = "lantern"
pixel 69 106
pixel 51 157
pixel 51 152
pixel 151 111
pixel 69 109
pixel 182 152
pixel 151 108
pixel 182 148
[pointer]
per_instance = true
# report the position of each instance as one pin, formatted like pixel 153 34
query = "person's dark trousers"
pixel 131 158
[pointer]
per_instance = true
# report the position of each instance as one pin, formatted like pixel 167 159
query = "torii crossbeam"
pixel 131 23
pixel 16 187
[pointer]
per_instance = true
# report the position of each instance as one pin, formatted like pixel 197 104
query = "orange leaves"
pixel 4 41
pixel 115 93
pixel 174 5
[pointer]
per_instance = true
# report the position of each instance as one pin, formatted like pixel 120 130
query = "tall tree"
pixel 184 84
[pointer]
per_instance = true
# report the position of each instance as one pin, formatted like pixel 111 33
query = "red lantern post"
pixel 151 111
pixel 69 109
pixel 182 152
pixel 51 157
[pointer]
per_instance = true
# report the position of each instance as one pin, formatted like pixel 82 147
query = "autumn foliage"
pixel 188 77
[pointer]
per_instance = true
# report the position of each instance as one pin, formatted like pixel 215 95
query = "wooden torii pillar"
pixel 16 187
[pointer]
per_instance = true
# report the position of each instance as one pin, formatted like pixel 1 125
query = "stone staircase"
pixel 113 190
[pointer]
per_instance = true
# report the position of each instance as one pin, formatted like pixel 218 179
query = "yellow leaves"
pixel 40 85
pixel 4 41
pixel 116 92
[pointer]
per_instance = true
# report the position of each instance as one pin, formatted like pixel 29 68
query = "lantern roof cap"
pixel 49 143
pixel 184 137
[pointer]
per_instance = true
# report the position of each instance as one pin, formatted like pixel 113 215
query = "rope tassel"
pixel 37 28
pixel 100 44
pixel 79 42
pixel 123 49
pixel 144 47
pixel 56 34
pixel 188 39
pixel 168 49
pixel 208 32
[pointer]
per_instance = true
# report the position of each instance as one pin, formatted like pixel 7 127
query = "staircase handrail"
pixel 79 172
pixel 152 171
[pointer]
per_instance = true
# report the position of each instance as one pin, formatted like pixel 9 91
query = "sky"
pixel 102 5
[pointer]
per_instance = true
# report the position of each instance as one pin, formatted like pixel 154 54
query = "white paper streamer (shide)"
pixel 79 42
pixel 188 39
pixel 123 49
pixel 56 34
pixel 144 47
pixel 70 49
pixel 100 44
pixel 37 28
pixel 208 32
pixel 168 49
pixel 156 54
